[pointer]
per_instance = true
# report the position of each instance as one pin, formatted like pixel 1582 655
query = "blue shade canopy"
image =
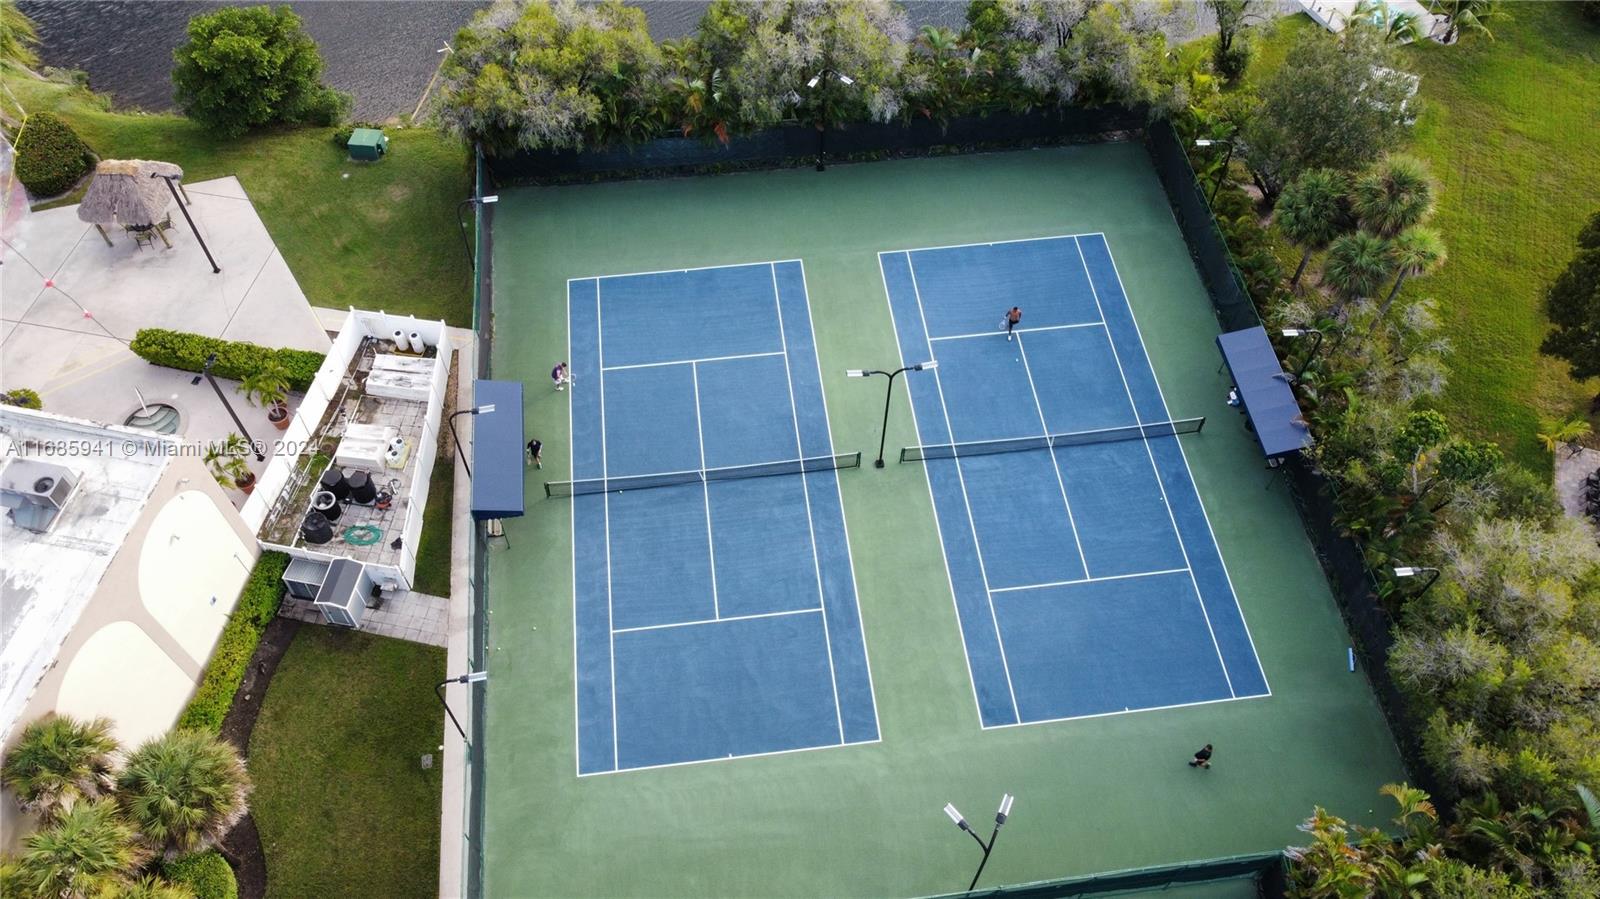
pixel 497 450
pixel 1264 388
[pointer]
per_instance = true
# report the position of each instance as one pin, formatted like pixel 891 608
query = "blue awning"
pixel 497 450
pixel 1265 391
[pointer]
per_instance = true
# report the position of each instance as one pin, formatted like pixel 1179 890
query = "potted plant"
pixel 227 463
pixel 269 386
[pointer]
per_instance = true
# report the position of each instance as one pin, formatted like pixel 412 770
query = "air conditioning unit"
pixel 34 493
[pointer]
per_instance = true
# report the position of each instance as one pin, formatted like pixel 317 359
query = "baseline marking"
pixel 966 501
pixel 1130 711
pixel 693 361
pixel 998 333
pixel 1089 580
pixel 1155 469
pixel 660 627
pixel 1055 463
pixel 805 488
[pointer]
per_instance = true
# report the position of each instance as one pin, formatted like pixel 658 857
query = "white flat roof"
pixel 47 579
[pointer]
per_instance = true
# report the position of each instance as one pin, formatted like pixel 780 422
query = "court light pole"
pixel 1407 571
pixel 999 820
pixel 1228 160
pixel 489 200
pixel 822 78
pixel 1301 332
pixel 475 410
pixel 475 677
pixel 883 437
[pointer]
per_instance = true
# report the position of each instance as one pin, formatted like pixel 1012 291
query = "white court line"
pixel 993 243
pixel 1155 469
pixel 705 489
pixel 729 758
pixel 1186 467
pixel 855 591
pixel 605 471
pixel 1055 464
pixel 572 520
pixel 805 488
pixel 1089 580
pixel 692 361
pixel 662 627
pixel 679 271
pixel 927 472
pixel 962 478
pixel 999 333
pixel 1127 711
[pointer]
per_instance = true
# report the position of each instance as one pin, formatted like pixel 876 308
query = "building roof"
pixel 48 578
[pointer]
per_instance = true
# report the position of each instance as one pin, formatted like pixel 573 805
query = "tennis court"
pixel 1086 578
pixel 714 598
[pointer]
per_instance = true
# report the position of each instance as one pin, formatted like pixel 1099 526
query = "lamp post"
pixel 206 373
pixel 475 410
pixel 170 179
pixel 999 820
pixel 1301 332
pixel 475 677
pixel 1411 571
pixel 822 78
pixel 887 393
pixel 487 201
pixel 1228 160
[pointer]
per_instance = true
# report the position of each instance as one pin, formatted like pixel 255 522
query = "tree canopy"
pixel 244 67
pixel 1573 304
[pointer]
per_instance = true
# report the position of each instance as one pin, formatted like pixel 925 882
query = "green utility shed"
pixel 368 144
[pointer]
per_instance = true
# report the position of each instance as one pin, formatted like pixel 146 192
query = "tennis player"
pixel 535 448
pixel 1202 759
pixel 560 375
pixel 1012 318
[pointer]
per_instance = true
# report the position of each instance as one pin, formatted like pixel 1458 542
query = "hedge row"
pixel 206 874
pixel 51 158
pixel 236 359
pixel 257 604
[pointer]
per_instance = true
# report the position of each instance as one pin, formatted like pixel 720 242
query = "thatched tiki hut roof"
pixel 124 193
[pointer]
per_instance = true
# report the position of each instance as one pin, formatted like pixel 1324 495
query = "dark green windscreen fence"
pixel 1264 871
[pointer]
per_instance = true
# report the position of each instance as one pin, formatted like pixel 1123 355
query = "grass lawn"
pixel 341 801
pixel 1509 131
pixel 385 238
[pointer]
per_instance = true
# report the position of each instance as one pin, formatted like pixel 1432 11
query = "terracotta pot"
pixel 279 416
pixel 247 484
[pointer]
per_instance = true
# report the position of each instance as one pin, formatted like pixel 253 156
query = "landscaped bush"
pixel 22 396
pixel 236 359
pixel 51 158
pixel 246 67
pixel 257 604
pixel 206 874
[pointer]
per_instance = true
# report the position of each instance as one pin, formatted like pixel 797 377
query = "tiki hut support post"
pixel 103 235
pixel 185 210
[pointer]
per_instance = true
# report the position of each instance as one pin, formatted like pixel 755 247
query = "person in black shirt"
pixel 1202 759
pixel 534 449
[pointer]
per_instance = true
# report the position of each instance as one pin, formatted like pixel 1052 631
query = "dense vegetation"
pixel 245 67
pixel 258 603
pixel 236 359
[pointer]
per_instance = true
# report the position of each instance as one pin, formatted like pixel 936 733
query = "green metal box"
pixel 367 143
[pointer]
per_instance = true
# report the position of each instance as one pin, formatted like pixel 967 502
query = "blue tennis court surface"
pixel 718 618
pixel 1086 577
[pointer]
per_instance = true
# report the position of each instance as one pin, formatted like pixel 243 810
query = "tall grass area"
pixel 1512 130
pixel 342 802
pixel 373 235
pixel 1509 128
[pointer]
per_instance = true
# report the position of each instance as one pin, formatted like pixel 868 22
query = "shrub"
pixel 206 874
pixel 246 67
pixel 257 604
pixel 236 359
pixel 22 396
pixel 1232 62
pixel 51 158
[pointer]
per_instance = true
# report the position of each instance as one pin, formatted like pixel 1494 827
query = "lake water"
pixel 382 51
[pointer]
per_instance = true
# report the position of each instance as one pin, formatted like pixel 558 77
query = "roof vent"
pixel 35 492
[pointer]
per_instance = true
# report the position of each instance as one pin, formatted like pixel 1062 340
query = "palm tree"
pixel 19 38
pixel 1357 266
pixel 1468 15
pixel 1566 431
pixel 1311 213
pixel 1396 194
pixel 59 761
pixel 1417 251
pixel 88 852
pixel 183 791
pixel 1396 27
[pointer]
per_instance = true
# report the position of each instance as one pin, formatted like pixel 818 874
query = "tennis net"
pixel 1050 441
pixel 701 475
